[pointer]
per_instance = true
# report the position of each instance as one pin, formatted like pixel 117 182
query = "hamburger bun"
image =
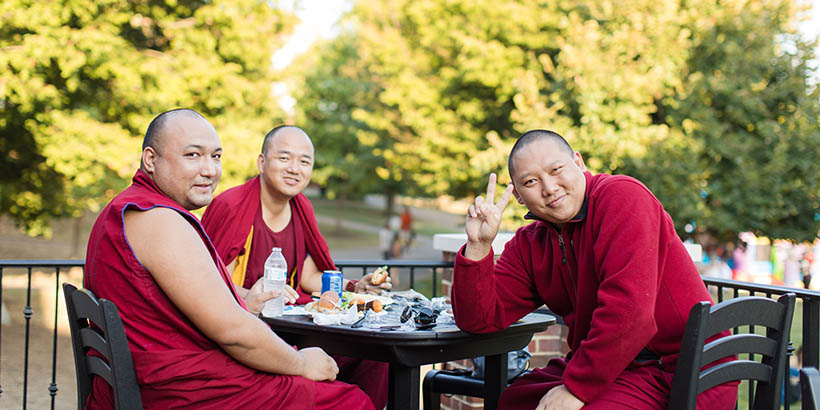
pixel 328 300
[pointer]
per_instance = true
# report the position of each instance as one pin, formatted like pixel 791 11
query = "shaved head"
pixel 536 135
pixel 158 126
pixel 272 134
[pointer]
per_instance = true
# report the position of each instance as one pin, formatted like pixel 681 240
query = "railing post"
pixel 811 335
pixel 52 388
pixel 27 312
pixel 1 318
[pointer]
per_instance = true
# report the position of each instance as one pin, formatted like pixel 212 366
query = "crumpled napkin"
pixel 345 317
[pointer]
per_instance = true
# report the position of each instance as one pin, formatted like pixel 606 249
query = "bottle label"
pixel 275 274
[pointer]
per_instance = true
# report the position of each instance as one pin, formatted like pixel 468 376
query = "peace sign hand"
pixel 483 220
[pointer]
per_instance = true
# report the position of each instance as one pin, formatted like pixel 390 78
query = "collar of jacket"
pixel 579 217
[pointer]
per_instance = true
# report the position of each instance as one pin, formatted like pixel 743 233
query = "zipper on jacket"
pixel 561 245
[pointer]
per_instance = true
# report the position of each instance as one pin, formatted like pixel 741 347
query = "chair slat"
pixel 751 310
pixel 734 370
pixel 99 367
pixel 739 343
pixel 87 308
pixel 90 338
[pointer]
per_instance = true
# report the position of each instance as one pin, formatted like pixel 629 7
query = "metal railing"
pixel 422 270
pixel 28 312
pixel 433 267
pixel 417 270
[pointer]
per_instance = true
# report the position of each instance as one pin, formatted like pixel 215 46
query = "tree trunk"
pixel 389 203
pixel 75 235
pixel 340 202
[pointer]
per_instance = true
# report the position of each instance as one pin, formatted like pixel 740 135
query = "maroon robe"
pixel 176 365
pixel 228 221
pixel 229 218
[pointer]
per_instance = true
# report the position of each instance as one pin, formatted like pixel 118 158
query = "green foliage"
pixel 348 160
pixel 701 100
pixel 750 121
pixel 80 81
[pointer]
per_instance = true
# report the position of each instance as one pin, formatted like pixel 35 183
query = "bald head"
pixel 182 155
pixel 159 125
pixel 536 135
pixel 272 134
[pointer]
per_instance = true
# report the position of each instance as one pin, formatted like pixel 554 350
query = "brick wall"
pixel 544 346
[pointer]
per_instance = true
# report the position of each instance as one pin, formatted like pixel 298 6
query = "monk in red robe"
pixel 194 343
pixel 269 210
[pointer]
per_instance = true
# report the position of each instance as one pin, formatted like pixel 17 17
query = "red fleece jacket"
pixel 618 274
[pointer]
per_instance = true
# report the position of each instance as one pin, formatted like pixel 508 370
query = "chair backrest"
pixel 705 321
pixel 810 388
pixel 95 324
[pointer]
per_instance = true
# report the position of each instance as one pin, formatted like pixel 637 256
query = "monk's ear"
pixel 579 161
pixel 517 197
pixel 149 159
pixel 260 162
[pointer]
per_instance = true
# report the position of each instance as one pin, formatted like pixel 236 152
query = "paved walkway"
pixel 422 248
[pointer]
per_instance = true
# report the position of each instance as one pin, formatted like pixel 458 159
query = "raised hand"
pixel 483 220
pixel 365 285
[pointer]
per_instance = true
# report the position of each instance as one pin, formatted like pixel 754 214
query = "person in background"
pixel 406 230
pixel 193 342
pixel 386 241
pixel 270 210
pixel 602 253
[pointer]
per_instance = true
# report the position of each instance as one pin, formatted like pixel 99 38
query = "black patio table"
pixel 406 351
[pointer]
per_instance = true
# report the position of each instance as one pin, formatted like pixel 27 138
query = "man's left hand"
pixel 365 285
pixel 256 296
pixel 559 398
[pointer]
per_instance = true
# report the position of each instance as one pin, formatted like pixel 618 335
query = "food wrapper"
pixel 344 317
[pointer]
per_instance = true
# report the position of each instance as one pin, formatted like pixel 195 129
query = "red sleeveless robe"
pixel 176 365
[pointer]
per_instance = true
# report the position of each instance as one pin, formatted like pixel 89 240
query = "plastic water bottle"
pixel 276 269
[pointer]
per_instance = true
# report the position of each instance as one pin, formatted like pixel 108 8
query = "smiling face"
pixel 549 180
pixel 286 164
pixel 185 161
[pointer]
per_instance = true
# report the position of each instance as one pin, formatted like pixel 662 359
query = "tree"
pixel 452 84
pixel 744 158
pixel 81 80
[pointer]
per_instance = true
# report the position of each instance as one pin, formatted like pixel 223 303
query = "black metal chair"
pixel 452 382
pixel 810 388
pixel 705 321
pixel 95 324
